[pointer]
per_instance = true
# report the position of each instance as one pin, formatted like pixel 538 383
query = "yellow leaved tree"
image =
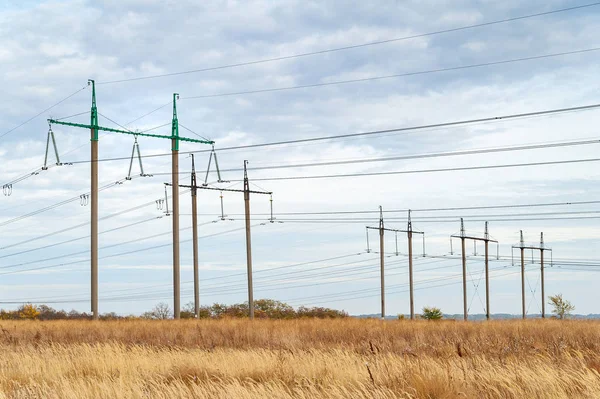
pixel 28 311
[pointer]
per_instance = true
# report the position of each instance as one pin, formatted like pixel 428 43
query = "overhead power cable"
pixel 79 238
pixel 423 156
pixel 152 286
pixel 376 132
pixel 406 172
pixel 42 112
pixel 354 46
pixel 358 221
pixel 61 203
pixel 462 208
pixel 153 247
pixel 398 75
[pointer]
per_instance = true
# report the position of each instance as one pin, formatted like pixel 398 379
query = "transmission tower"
pixel 486 239
pixel 175 139
pixel 542 247
pixel 409 231
pixel 247 193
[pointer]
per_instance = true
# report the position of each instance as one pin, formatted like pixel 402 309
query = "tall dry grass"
pixel 300 359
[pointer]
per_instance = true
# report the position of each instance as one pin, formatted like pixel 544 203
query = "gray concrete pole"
pixel 381 271
pixel 410 275
pixel 487 281
pixel 542 280
pixel 464 273
pixel 195 250
pixel 248 242
pixel 94 225
pixel 523 280
pixel 175 194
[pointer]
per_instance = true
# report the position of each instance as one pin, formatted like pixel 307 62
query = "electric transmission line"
pixel 354 46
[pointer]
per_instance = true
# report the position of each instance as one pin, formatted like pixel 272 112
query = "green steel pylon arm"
pixel 108 129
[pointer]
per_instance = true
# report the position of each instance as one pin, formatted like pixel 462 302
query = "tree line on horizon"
pixel 263 309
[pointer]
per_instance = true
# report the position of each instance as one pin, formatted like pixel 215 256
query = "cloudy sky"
pixel 48 50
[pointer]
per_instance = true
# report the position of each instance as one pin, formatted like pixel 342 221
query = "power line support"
pixel 523 275
pixel 464 269
pixel 410 266
pixel 94 202
pixel 195 241
pixel 175 196
pixel 409 231
pixel 382 262
pixel 486 239
pixel 542 247
pixel 542 274
pixel 487 272
pixel 247 193
pixel 94 128
pixel 248 242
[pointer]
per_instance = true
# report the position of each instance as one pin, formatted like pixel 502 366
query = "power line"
pixel 342 221
pixel 377 132
pixel 405 172
pixel 116 255
pixel 503 206
pixel 42 112
pixel 398 75
pixel 423 156
pixel 61 203
pixel 338 49
pixel 80 238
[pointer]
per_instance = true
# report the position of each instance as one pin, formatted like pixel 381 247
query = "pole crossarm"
pixel 532 247
pixel 396 230
pixel 474 238
pixel 221 189
pixel 109 129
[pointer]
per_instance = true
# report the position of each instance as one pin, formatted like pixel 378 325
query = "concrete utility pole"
pixel 541 248
pixel 409 231
pixel 94 128
pixel 486 239
pixel 248 242
pixel 542 274
pixel 194 192
pixel 175 195
pixel 94 203
pixel 247 193
pixel 381 262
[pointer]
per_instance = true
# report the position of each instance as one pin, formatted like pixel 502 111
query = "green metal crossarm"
pixel 108 129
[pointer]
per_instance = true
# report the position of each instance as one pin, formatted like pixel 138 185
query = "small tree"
pixel 431 313
pixel 161 311
pixel 561 307
pixel 28 311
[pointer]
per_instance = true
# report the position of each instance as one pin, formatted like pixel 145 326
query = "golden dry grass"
pixel 299 359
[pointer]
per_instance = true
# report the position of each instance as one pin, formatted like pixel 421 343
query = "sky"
pixel 312 255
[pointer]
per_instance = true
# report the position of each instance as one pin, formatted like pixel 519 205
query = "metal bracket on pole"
pixel 166 202
pixel 134 149
pixel 213 154
pixel 51 136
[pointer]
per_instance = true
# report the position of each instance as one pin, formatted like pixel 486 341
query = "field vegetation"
pixel 300 358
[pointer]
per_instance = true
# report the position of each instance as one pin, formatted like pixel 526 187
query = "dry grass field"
pixel 299 359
